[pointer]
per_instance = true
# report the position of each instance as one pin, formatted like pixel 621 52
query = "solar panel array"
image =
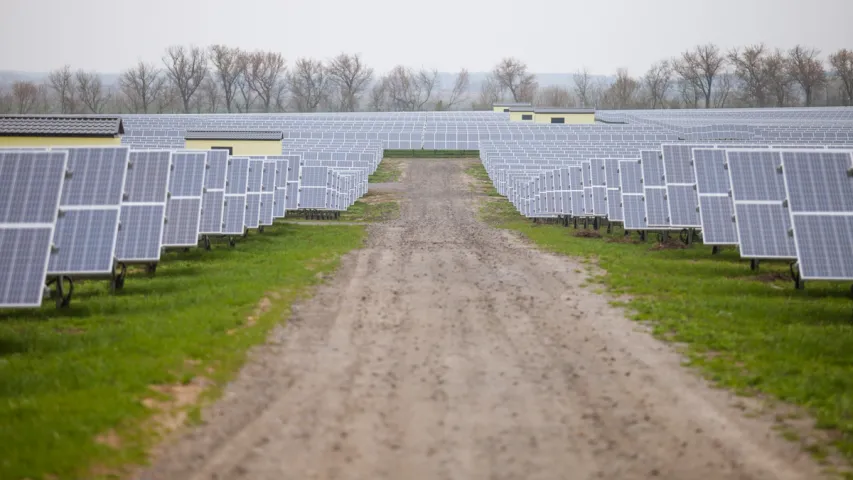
pixel 765 180
pixel 88 212
pixel 717 172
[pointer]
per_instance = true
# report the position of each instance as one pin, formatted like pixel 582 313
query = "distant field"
pixel 751 332
pixel 87 390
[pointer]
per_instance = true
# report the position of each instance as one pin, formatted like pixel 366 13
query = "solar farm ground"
pixel 448 348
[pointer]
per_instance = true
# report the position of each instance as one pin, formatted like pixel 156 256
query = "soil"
pixel 446 349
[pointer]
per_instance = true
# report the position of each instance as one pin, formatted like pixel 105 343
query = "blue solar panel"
pixel 238 176
pixel 183 208
pixel 141 221
pixel 253 210
pixel 87 227
pixel 30 186
pixel 23 260
pixel 758 192
pixel 140 232
pixel 85 241
pixel 819 191
pixel 182 222
pixel 147 176
pixel 30 189
pixel 234 215
pixel 717 215
pixel 634 212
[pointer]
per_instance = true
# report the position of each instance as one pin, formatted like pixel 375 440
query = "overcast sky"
pixel 551 36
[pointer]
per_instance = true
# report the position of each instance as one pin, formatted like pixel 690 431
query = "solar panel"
pixel 716 212
pixel 268 193
pixel 183 208
pixel 758 192
pixel 253 193
pixel 234 207
pixel 213 197
pixel 30 189
pixel 680 178
pixel 819 192
pixel 87 225
pixel 654 189
pixel 143 210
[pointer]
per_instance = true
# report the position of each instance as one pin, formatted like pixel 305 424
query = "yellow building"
pixel 59 130
pixel 245 142
pixel 521 114
pixel 564 115
pixel 505 107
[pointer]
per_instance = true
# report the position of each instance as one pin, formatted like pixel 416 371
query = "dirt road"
pixel 450 350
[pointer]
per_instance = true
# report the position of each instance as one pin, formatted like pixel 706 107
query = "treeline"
pixel 225 79
pixel 703 77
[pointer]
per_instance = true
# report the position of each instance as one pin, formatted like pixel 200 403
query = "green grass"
pixel 484 185
pixel 388 171
pixel 432 153
pixel 68 376
pixel 747 331
pixel 371 212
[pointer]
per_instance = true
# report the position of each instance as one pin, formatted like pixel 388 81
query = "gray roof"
pixel 233 135
pixel 522 104
pixel 526 108
pixel 60 126
pixel 565 110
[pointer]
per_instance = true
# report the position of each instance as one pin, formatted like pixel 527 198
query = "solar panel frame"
pixel 713 189
pixel 83 200
pixel 819 196
pixel 22 287
pixel 186 191
pixel 142 216
pixel 761 220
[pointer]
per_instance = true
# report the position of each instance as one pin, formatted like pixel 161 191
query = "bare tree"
pixel 6 101
pixel 512 75
pixel 722 92
pixel 408 90
pixel 308 83
pixel 806 70
pixel 168 101
pixel 689 93
pixel 491 92
pixel 25 96
pixel 226 69
pixel 778 80
pixel 378 95
pixel 750 70
pixel 264 71
pixel 700 67
pixel 555 96
pixel 245 96
pixel 186 69
pixel 458 93
pixel 91 91
pixel 211 95
pixel 142 85
pixel 350 77
pixel 621 94
pixel 61 81
pixel 842 64
pixel 657 81
pixel 583 84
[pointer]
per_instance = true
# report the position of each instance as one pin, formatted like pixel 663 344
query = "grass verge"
pixel 389 171
pixel 88 390
pixel 750 332
pixel 363 211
